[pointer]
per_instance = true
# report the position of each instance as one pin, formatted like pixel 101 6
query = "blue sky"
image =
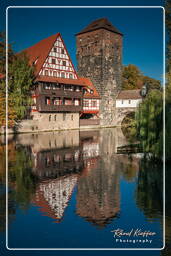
pixel 142 28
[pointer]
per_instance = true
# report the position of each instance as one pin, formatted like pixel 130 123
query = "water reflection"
pixel 150 179
pixel 45 169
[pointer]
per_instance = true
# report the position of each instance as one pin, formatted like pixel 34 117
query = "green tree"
pixel 3 52
pixel 149 124
pixel 168 84
pixel 20 82
pixel 133 78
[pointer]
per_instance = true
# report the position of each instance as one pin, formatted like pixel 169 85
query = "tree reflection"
pixel 149 191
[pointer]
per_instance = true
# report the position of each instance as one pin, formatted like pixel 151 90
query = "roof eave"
pixel 90 30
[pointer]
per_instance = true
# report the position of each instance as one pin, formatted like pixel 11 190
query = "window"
pixel 47 87
pixel 68 88
pixel 47 100
pixel 53 61
pixel 86 103
pixel 77 89
pixel 94 103
pixel 56 101
pixel 122 102
pixel 49 118
pixel 64 116
pixel 63 75
pixel 46 72
pixel 54 73
pixel 56 87
pixel 71 117
pixel 64 63
pixel 129 101
pixel 67 101
pixel 54 49
pixel 62 51
pixel 76 102
pixel 70 76
pixel 55 118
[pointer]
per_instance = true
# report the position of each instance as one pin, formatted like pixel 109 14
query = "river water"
pixel 72 189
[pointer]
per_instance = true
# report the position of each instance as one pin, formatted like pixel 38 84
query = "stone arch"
pixel 121 113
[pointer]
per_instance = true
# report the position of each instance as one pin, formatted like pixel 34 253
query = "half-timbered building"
pixel 59 97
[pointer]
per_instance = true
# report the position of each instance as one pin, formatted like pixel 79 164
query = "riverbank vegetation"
pixel 20 82
pixel 147 126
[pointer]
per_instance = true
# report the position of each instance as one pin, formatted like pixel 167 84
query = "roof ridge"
pixel 100 23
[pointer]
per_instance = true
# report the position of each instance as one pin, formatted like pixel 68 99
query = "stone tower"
pixel 99 57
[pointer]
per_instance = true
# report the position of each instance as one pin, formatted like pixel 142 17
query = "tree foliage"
pixel 20 81
pixel 149 124
pixel 168 85
pixel 133 78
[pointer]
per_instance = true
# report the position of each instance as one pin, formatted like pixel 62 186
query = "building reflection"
pixel 52 196
pixel 58 161
pixel 98 196
pixel 86 159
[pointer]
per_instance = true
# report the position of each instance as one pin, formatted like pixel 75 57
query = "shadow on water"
pixel 45 169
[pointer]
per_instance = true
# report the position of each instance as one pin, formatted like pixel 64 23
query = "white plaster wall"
pixel 126 104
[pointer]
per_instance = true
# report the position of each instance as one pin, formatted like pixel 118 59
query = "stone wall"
pixel 48 122
pixel 99 57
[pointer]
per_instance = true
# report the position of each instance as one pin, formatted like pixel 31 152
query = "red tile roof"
pixel 91 87
pixel 129 94
pixel 53 79
pixel 40 51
